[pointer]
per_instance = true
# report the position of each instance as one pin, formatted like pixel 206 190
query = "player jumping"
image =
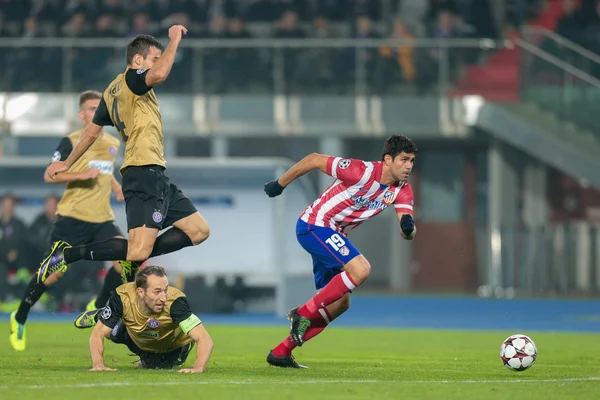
pixel 152 201
pixel 84 214
pixel 361 190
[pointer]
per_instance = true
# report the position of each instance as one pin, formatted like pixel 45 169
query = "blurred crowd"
pixel 225 69
pixel 22 248
pixel 581 23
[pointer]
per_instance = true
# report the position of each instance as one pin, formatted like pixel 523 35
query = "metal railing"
pixel 241 66
pixel 556 85
pixel 551 259
pixel 563 48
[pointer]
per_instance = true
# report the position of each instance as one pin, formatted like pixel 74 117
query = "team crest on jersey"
pixel 153 323
pixel 157 217
pixel 113 150
pixel 343 164
pixel 389 196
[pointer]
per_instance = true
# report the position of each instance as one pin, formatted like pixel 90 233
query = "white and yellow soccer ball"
pixel 518 352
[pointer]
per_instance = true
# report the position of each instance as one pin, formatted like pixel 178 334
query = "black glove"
pixel 407 224
pixel 273 188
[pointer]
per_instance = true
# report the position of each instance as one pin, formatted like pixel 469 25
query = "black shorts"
pixel 150 360
pixel 151 199
pixel 77 232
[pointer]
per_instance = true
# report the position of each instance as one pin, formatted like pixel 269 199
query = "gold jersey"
pixel 89 200
pixel 137 118
pixel 156 333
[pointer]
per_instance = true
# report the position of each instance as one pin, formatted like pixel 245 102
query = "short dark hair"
pixel 89 95
pixel 397 144
pixel 141 44
pixel 141 278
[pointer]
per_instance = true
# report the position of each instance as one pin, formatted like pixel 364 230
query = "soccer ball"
pixel 518 352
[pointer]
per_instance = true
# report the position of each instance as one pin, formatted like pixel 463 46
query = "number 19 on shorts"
pixel 336 242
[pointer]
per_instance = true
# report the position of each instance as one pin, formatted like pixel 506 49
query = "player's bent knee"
pixel 200 233
pixel 139 253
pixel 359 269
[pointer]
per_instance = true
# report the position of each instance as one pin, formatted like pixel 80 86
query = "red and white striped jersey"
pixel 355 196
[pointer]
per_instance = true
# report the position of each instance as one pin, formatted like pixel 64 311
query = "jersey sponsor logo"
pixel 113 150
pixel 361 201
pixel 106 313
pixel 343 164
pixel 157 216
pixel 141 71
pixel 149 334
pixel 56 156
pixel 344 251
pixel 105 167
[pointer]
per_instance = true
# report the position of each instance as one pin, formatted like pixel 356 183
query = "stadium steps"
pixel 583 140
pixel 496 80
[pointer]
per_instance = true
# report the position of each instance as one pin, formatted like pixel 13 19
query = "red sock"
pixel 317 326
pixel 334 290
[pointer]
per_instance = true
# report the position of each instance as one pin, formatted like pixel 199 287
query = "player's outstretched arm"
pixel 100 332
pixel 87 138
pixel 408 230
pixel 310 162
pixel 161 70
pixel 66 177
pixel 204 349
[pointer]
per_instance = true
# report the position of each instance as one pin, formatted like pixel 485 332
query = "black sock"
pixel 110 250
pixel 172 240
pixel 32 294
pixel 111 281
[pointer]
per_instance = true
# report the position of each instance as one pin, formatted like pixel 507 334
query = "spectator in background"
pixel 570 25
pixel 13 248
pixel 260 11
pixel 15 10
pixel 114 8
pixel 239 64
pixel 368 8
pixel 150 7
pixel 140 25
pixel 39 231
pixel 397 59
pixel 318 64
pixel 476 18
pixel 429 59
pixel 333 10
pixel 368 56
pixel 287 28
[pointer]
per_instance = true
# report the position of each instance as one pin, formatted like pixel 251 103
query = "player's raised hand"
pixel 102 368
pixel 176 32
pixel 190 371
pixel 273 188
pixel 56 168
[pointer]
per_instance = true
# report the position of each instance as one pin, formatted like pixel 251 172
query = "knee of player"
pixel 360 270
pixel 138 253
pixel 201 233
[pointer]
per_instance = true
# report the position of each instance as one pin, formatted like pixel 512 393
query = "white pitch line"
pixel 302 382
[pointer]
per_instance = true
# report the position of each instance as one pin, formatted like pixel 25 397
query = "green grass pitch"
pixel 344 364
